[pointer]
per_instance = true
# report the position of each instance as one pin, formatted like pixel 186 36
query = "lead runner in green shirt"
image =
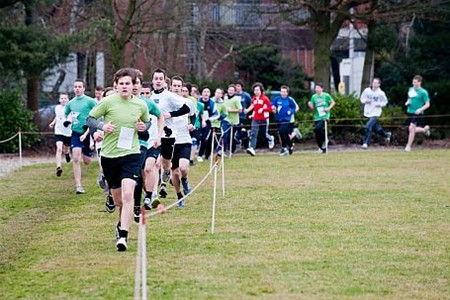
pixel 124 115
pixel 418 101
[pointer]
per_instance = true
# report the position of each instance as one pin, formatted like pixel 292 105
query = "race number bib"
pixel 412 93
pixel 74 117
pixel 125 138
pixel 321 111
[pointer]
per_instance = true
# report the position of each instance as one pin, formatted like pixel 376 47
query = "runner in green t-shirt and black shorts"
pixel 124 115
pixel 418 101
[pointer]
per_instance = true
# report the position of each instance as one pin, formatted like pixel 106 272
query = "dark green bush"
pixel 14 115
pixel 347 120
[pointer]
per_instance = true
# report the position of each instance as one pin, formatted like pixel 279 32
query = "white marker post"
pixel 213 219
pixel 231 141
pixel 140 281
pixel 326 136
pixel 20 147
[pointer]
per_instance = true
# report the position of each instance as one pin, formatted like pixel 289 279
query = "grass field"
pixel 348 225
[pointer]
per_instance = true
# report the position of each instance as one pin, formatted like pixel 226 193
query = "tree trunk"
pixel 32 79
pixel 33 95
pixel 368 60
pixel 322 63
pixel 367 75
pixel 118 54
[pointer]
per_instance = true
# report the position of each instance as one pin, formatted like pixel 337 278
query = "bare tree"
pixel 214 33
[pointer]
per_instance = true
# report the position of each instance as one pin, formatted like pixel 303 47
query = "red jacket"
pixel 261 108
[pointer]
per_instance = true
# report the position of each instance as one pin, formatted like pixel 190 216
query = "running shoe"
pixel 109 204
pixel 163 190
pixel 387 139
pixel 137 213
pixel 297 134
pixel 165 176
pixel 271 142
pixel 122 244
pixel 186 186
pixel 148 201
pixel 80 190
pixel 251 151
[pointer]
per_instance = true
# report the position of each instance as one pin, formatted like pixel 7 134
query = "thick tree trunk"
pixel 367 75
pixel 118 54
pixel 322 62
pixel 368 60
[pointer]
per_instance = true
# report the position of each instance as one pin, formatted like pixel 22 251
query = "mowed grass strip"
pixel 348 225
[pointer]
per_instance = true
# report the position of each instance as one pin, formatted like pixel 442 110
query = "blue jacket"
pixel 284 108
pixel 210 107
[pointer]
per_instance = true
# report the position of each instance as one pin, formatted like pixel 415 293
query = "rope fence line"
pixel 278 123
pixel 335 120
pixel 164 210
pixel 332 123
pixel 10 138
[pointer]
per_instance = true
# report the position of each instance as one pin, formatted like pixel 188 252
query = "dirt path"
pixel 11 162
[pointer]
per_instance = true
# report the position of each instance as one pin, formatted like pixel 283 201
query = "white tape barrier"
pixel 9 139
pixel 140 282
pixel 326 136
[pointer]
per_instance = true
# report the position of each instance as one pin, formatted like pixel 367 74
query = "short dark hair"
pixel 284 87
pixel 319 84
pixel 176 77
pixel 147 84
pixel 106 90
pixel 159 70
pixel 240 83
pixel 80 80
pixel 418 78
pixel 126 72
pixel 99 88
pixel 139 75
